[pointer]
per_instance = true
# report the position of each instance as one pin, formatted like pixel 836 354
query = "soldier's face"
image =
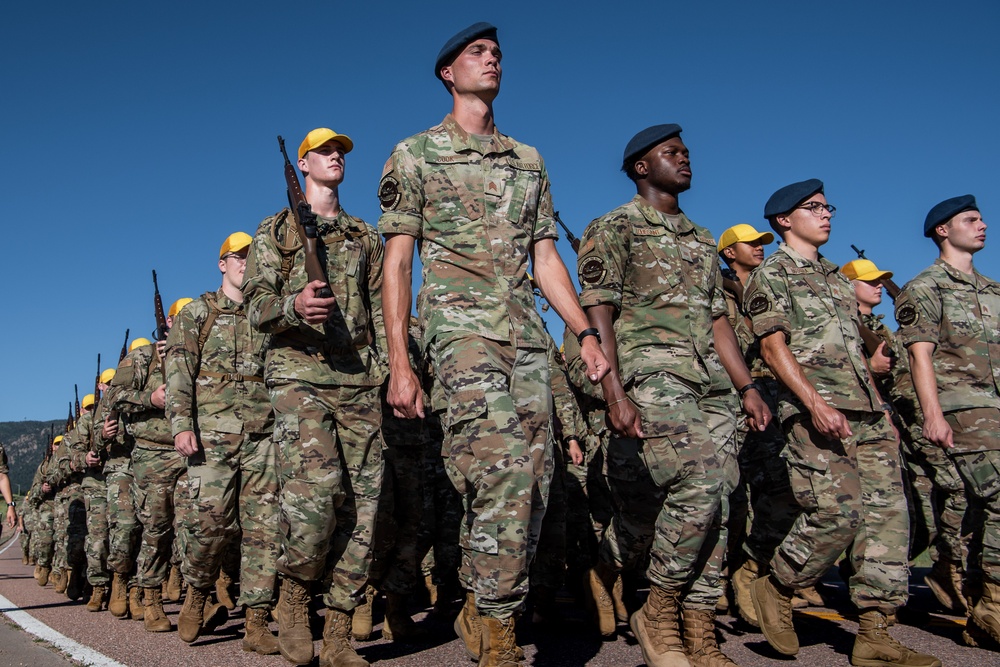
pixel 232 266
pixel 868 292
pixel 476 69
pixel 813 228
pixel 667 166
pixel 966 231
pixel 748 254
pixel 325 164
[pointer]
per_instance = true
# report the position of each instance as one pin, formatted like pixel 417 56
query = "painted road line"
pixel 75 650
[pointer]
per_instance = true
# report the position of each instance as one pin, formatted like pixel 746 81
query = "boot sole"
pixel 763 629
pixel 292 660
pixel 858 662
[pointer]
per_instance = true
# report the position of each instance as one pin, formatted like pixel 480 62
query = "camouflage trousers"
pixel 124 529
pixel 498 454
pixel 772 505
pixel 589 505
pixel 43 527
pixel 233 484
pixel 95 496
pixel 849 490
pixel 979 429
pixel 720 410
pixel 69 527
pixel 329 451
pixel 937 497
pixel 667 487
pixel 161 507
pixel 396 564
pixel 548 569
pixel 443 516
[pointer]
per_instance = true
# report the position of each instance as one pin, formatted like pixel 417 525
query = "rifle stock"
pixel 305 226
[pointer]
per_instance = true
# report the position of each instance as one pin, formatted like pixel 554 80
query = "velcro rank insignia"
pixel 388 193
pixel 759 303
pixel 907 314
pixel 592 271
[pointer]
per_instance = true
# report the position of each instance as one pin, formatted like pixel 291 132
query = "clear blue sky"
pixel 136 136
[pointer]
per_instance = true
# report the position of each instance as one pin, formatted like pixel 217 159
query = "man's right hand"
pixel 937 430
pixel 311 308
pixel 186 443
pixel 159 397
pixel 405 395
pixel 110 429
pixel 831 422
pixel 625 418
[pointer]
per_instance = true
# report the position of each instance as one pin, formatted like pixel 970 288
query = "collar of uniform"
pixel 463 141
pixel 326 225
pixel 822 263
pixel 681 224
pixel 976 279
pixel 225 303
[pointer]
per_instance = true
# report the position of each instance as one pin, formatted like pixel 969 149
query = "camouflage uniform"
pixel 766 494
pixel 215 388
pixel 661 273
pixel 42 544
pixel 124 529
pixel 324 385
pixel 160 473
pixel 476 205
pixel 95 497
pixel 848 490
pixel 960 314
pixel 69 511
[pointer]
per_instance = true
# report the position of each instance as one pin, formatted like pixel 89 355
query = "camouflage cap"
pixel 790 196
pixel 458 42
pixel 863 269
pixel 320 136
pixel 946 210
pixel 234 243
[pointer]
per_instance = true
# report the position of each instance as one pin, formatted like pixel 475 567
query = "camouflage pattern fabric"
pixel 476 205
pixel 139 375
pixel 215 387
pixel 329 453
pixel 124 529
pixel 95 498
pixel 499 456
pixel 349 348
pixel 813 305
pixel 42 538
pixel 160 502
pixel 443 515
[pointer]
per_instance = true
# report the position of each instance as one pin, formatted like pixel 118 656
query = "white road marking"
pixel 74 649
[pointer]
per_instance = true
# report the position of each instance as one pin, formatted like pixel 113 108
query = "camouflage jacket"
pixel 349 348
pixel 116 451
pixel 661 273
pixel 215 376
pixel 570 423
pixel 476 207
pixel 60 472
pixel 589 396
pixel 137 377
pixel 813 305
pixel 960 314
pixel 85 437
pixel 733 290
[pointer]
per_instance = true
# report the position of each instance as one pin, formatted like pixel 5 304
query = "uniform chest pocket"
pixel 961 309
pixel 654 267
pixel 453 188
pixel 524 188
pixel 811 294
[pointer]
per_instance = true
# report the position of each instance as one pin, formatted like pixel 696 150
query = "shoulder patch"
pixel 907 314
pixel 592 271
pixel 388 193
pixel 759 303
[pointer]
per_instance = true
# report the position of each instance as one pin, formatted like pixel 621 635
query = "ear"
pixel 783 221
pixel 222 266
pixel 729 253
pixel 303 164
pixel 641 168
pixel 447 75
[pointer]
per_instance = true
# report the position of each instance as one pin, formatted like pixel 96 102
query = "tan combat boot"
pixel 618 600
pixel 399 625
pixel 722 604
pixel 598 584
pixel 811 596
pixel 741 580
pixel 361 619
pixel 135 608
pixel 222 585
pixel 945 582
pixel 174 586
pixel 192 615
pixel 432 589
pixel 152 611
pixel 257 636
pixel 96 602
pixel 337 650
pixel 657 629
pixel 118 604
pixel 773 605
pixel 60 579
pixel 292 614
pixel 215 615
pixel 986 613
pixel 77 581
pixel 468 626
pixel 42 575
pixel 875 648
pixel 700 643
pixel 499 647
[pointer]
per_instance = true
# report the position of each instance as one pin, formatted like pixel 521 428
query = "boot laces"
pixel 507 642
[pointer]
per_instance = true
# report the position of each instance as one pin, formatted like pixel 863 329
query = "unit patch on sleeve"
pixel 592 271
pixel 907 314
pixel 388 193
pixel 759 303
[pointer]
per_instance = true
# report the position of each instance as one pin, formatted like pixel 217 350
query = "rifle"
pixel 891 288
pixel 69 420
pixel 76 414
pixel 97 399
pixel 305 226
pixel 573 241
pixel 124 350
pixel 48 447
pixel 161 330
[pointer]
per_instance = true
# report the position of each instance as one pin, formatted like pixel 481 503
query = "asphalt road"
pixel 826 635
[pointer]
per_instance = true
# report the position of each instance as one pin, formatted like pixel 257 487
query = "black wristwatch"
pixel 589 332
pixel 745 388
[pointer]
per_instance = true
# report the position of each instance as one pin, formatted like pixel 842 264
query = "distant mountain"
pixel 25 444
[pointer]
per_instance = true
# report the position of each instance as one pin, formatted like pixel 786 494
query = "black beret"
pixel 458 42
pixel 651 136
pixel 947 210
pixel 790 196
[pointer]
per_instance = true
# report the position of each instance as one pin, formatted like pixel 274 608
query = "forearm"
pixel 728 348
pixel 921 357
pixel 396 300
pixel 554 281
pixel 600 317
pixel 5 488
pixel 782 363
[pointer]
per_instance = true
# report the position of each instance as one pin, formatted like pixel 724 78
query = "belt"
pixel 234 377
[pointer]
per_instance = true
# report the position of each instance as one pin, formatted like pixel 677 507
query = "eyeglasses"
pixel 232 255
pixel 817 207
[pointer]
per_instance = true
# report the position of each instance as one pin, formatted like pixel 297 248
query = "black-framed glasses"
pixel 233 255
pixel 817 207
